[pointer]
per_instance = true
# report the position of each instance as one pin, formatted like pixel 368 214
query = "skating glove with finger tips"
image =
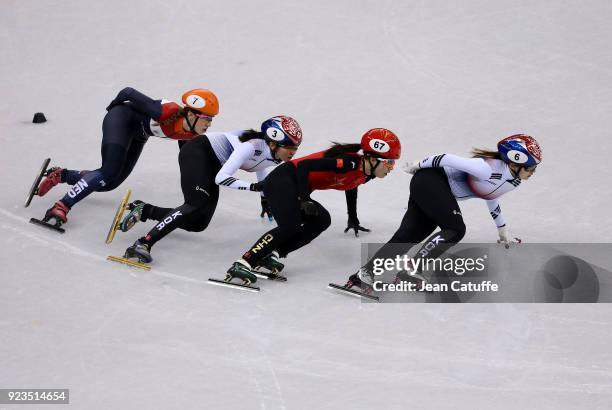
pixel 505 238
pixel 411 167
pixel 265 209
pixel 309 207
pixel 353 223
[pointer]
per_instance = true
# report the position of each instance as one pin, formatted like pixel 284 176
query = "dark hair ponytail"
pixel 338 149
pixel 485 153
pixel 251 135
pixel 174 117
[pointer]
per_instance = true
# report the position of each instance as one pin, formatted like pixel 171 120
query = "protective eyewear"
pixel 530 168
pixel 203 116
pixel 388 163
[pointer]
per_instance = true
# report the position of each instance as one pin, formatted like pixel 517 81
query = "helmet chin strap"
pixel 514 173
pixel 372 167
pixel 273 151
pixel 189 124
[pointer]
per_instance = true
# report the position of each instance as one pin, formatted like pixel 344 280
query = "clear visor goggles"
pixel 387 163
pixel 202 116
pixel 530 168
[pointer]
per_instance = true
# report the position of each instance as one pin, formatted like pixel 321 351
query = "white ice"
pixel 444 75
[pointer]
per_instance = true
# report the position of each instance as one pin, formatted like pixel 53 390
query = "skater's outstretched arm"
pixel 496 212
pixel 351 207
pixel 239 156
pixel 505 237
pixel 474 166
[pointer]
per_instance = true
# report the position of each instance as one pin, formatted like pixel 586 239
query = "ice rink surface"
pixel 446 76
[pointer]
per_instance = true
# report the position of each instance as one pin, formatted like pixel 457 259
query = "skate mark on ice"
pixel 64 246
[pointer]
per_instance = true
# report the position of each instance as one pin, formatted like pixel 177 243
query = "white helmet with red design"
pixel 282 130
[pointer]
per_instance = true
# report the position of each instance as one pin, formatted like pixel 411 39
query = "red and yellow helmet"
pixel 381 143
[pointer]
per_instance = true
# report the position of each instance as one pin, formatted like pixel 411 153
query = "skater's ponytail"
pixel 338 149
pixel 485 153
pixel 173 118
pixel 250 135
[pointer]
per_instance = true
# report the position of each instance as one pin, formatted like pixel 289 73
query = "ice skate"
pixel 271 263
pixel 42 171
pixel 140 251
pixel 123 206
pixel 57 213
pixel 270 268
pixel 363 280
pixel 239 270
pixel 133 217
pixel 137 255
pixel 53 177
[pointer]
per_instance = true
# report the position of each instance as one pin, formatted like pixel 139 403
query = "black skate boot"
pixel 362 279
pixel 133 217
pixel 241 270
pixel 141 251
pixel 271 268
pixel 271 263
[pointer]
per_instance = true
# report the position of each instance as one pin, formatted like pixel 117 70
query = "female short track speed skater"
pixel 440 181
pixel 210 161
pixel 300 219
pixel 131 119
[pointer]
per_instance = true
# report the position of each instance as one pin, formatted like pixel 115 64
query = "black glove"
pixel 265 209
pixel 353 223
pixel 257 186
pixel 309 207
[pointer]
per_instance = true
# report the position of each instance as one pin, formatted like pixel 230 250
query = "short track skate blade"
pixel 39 176
pixel 218 282
pixel 129 262
pixel 353 292
pixel 118 215
pixel 270 276
pixel 47 225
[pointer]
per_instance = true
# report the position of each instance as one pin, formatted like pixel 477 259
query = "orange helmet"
pixel 202 101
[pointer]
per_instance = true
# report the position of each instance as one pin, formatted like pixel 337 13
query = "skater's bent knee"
pixel 197 226
pixel 323 222
pixel 456 233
